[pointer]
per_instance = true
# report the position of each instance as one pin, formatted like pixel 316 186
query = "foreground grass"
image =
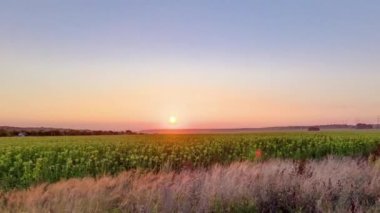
pixel 329 185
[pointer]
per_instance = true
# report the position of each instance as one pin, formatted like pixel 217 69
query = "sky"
pixel 211 64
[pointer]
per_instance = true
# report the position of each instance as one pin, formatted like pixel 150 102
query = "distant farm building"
pixel 21 134
pixel 314 129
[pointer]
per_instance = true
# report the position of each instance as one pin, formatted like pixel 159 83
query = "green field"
pixel 32 160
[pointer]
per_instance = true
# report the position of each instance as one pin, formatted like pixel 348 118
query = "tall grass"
pixel 329 185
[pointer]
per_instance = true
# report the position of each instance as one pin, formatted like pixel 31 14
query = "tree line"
pixel 10 133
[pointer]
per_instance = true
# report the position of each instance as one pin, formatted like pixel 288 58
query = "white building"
pixel 21 134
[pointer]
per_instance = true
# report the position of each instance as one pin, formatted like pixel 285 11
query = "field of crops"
pixel 31 160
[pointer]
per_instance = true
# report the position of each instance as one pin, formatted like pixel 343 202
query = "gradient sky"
pixel 213 64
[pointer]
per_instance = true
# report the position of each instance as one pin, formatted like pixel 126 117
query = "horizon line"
pixel 191 129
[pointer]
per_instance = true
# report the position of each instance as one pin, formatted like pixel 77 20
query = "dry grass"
pixel 330 185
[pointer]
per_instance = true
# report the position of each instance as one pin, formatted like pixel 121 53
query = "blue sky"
pixel 132 64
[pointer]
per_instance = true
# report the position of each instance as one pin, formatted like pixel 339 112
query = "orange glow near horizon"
pixel 200 100
pixel 217 106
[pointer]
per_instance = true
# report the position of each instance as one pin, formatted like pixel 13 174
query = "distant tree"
pixel 364 126
pixel 129 132
pixel 314 128
pixel 14 133
pixel 4 133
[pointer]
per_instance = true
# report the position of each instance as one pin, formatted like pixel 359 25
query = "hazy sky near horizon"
pixel 213 64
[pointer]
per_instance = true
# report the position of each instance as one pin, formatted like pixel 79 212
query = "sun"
pixel 172 119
